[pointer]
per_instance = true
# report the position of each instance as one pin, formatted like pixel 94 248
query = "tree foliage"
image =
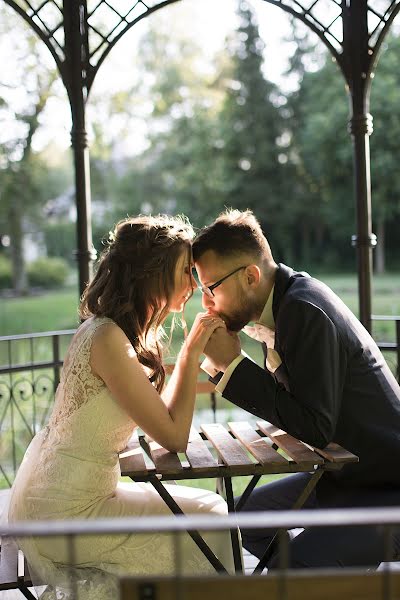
pixel 25 179
pixel 213 133
pixel 385 145
pixel 251 124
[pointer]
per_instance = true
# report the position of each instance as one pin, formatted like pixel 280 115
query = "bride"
pixel 113 381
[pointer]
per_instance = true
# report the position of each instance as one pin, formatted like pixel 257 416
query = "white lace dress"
pixel 71 470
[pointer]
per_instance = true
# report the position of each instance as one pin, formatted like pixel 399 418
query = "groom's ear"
pixel 253 275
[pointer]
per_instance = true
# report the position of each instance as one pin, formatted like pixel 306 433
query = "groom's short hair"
pixel 233 232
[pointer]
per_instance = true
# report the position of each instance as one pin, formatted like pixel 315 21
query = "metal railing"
pixel 30 372
pixel 30 368
pixel 387 519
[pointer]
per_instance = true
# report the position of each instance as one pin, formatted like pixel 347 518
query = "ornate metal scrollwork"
pixel 102 24
pixel 106 21
pixel 331 21
pixel 25 402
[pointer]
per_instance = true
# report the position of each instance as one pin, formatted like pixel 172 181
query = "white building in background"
pixel 33 246
pixel 63 207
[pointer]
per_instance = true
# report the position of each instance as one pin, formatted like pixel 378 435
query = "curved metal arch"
pixel 116 39
pixel 46 34
pixel 393 11
pixel 310 24
pixel 305 15
pixel 44 38
pixel 295 8
pixel 292 7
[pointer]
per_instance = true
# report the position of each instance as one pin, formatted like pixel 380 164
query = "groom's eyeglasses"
pixel 209 291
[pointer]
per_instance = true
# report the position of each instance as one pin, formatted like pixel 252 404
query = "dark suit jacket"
pixel 333 384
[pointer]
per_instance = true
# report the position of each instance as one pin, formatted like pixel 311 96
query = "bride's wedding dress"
pixel 71 470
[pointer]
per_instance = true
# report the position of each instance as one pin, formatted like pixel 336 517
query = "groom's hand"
pixel 222 348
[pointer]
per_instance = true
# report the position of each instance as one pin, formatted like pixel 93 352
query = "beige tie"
pixel 261 333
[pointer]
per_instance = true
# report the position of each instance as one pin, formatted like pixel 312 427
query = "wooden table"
pixel 226 451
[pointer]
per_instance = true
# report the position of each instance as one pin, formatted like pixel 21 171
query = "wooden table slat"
pixel 297 451
pixel 8 562
pixel 197 453
pixel 166 462
pixel 336 453
pixel 257 445
pixel 229 449
pixel 235 456
pixel 132 459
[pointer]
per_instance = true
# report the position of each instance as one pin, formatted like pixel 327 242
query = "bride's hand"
pixel 203 327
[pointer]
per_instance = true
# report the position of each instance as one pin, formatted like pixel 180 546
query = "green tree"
pixel 179 170
pixel 385 146
pixel 322 204
pixel 321 155
pixel 24 95
pixel 252 130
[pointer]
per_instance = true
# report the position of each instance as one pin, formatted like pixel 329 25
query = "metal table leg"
pixel 298 504
pixel 235 536
pixel 246 493
pixel 196 537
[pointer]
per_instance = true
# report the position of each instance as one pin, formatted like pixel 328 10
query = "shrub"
pixel 5 273
pixel 47 272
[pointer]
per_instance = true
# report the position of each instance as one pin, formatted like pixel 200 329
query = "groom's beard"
pixel 239 317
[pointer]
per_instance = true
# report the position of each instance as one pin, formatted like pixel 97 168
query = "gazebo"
pixel 80 34
pixel 352 30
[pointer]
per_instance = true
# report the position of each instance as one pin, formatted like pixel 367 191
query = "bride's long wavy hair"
pixel 135 282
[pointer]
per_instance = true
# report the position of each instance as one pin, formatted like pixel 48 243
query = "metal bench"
pixel 14 572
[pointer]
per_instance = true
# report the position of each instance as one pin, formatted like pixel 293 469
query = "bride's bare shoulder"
pixel 109 334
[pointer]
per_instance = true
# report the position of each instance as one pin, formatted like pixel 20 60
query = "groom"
pixel 325 380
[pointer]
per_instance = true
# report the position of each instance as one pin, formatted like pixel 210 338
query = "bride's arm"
pixel 193 346
pixel 114 360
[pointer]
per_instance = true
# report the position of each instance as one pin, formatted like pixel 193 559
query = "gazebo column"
pixel 355 30
pixel 75 23
pixel 361 128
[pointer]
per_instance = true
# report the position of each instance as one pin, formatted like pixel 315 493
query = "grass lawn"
pixel 50 311
pixel 57 310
